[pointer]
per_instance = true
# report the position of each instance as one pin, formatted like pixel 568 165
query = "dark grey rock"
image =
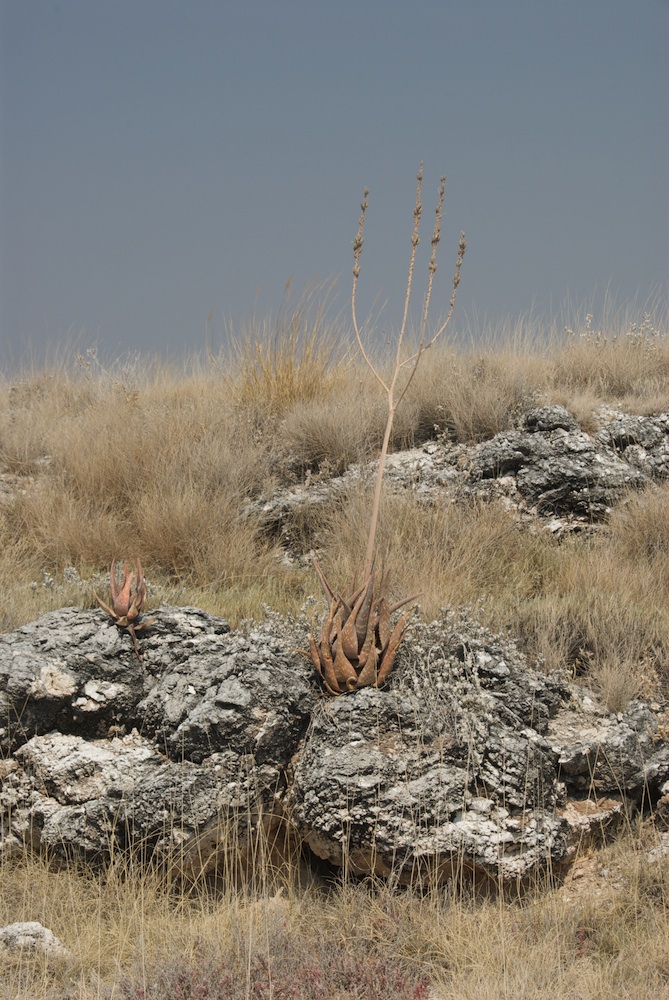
pixel 70 670
pixel 558 471
pixel 626 429
pixel 550 418
pixel 241 693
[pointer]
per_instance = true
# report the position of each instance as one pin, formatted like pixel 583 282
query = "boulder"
pixel 642 441
pixel 197 689
pixel 602 754
pixel 220 716
pixel 471 760
pixel 557 470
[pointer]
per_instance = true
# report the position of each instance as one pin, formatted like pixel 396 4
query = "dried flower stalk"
pixel 357 646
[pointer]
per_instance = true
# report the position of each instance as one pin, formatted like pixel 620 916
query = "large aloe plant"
pixel 358 643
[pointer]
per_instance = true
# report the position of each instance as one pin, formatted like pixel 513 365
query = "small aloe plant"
pixel 358 644
pixel 127 601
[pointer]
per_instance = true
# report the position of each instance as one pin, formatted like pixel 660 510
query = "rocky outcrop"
pixel 469 760
pixel 450 768
pixel 198 687
pixel 89 798
pixel 559 469
pixel 549 469
pixel 643 442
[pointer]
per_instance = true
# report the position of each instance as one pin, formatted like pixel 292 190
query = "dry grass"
pixel 474 394
pixel 598 607
pixel 275 364
pixel 161 468
pixel 628 362
pixel 325 436
pixel 133 934
pixel 160 463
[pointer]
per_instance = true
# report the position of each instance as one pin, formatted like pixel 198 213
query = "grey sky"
pixel 162 159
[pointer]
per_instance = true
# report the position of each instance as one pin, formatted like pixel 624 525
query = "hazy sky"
pixel 162 159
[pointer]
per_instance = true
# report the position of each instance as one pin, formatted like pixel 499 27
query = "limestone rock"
pixel 601 754
pixel 458 765
pixel 92 798
pixel 559 469
pixel 233 693
pixel 376 789
pixel 197 689
pixel 30 935
pixel 641 441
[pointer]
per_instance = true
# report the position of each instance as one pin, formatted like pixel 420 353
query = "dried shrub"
pixel 337 976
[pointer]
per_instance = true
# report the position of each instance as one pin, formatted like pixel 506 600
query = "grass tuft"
pixel 277 364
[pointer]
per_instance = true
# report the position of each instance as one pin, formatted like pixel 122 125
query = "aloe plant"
pixel 358 645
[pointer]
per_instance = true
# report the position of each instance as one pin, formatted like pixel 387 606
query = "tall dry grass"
pixel 627 362
pixel 274 364
pixel 161 468
pixel 135 934
pixel 593 606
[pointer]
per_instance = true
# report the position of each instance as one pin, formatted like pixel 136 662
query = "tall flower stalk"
pixel 394 393
pixel 358 645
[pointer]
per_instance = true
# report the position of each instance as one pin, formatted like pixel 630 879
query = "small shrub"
pixel 339 976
